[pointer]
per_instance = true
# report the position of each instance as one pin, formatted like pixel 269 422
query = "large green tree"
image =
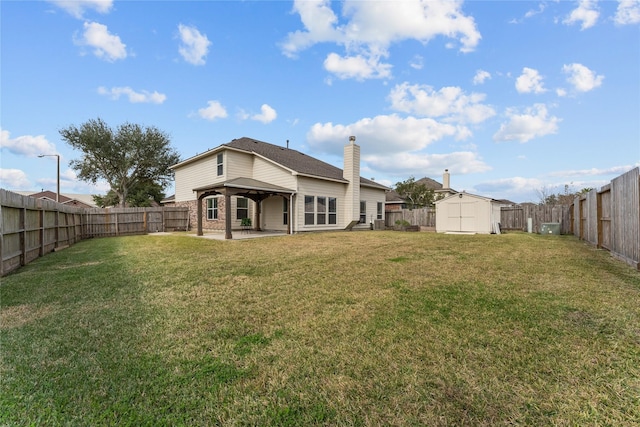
pixel 128 157
pixel 143 194
pixel 416 194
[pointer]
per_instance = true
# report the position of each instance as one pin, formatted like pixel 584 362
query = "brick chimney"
pixel 351 173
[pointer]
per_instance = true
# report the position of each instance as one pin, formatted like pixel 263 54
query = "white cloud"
pixel 106 46
pixel 318 19
pixel 423 164
pixel 582 78
pixel 481 76
pixel 26 145
pixel 14 179
pixel 77 8
pixel 381 134
pixel 134 97
pixel 417 62
pixel 371 27
pixel 586 12
pixel 530 81
pixel 356 67
pixel 533 123
pixel 267 114
pixel 516 183
pixel 451 103
pixel 517 187
pixel 615 170
pixel 195 46
pixel 628 12
pixel 214 110
pixel 533 12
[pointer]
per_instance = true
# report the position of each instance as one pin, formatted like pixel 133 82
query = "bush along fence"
pixel 609 217
pixel 33 227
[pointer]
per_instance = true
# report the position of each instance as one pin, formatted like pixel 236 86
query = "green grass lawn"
pixel 361 328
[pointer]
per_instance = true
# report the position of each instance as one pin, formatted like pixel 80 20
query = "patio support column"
pixel 258 208
pixel 227 215
pixel 199 214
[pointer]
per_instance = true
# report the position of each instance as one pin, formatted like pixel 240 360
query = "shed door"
pixel 461 216
pixel 468 214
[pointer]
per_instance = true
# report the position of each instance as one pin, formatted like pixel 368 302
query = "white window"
pixel 309 210
pixel 320 210
pixel 220 164
pixel 363 212
pixel 242 208
pixel 212 209
pixel 379 214
pixel 333 210
pixel 321 205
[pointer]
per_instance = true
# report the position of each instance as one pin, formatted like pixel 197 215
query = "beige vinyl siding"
pixel 237 165
pixel 266 171
pixel 272 215
pixel 372 197
pixel 196 174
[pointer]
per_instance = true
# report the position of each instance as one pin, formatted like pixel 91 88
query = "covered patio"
pixel 250 188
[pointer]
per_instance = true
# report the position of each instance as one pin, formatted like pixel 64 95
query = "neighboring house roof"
pixel 430 183
pixel 392 197
pixel 507 202
pixel 168 199
pixel 81 200
pixel 291 159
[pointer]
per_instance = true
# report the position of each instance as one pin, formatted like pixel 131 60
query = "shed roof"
pixel 465 194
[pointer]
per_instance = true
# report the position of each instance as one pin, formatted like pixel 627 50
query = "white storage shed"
pixel 468 213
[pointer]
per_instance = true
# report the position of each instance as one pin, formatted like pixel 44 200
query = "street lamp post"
pixel 58 188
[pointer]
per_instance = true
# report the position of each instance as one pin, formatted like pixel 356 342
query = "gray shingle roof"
pixel 294 160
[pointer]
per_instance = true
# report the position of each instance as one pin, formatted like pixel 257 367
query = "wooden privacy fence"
pixel 610 217
pixel 517 217
pixel 425 217
pixel 31 228
pixel 123 221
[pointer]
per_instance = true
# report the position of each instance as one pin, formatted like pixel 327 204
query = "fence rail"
pixel 31 228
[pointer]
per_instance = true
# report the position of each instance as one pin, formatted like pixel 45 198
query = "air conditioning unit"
pixel 550 228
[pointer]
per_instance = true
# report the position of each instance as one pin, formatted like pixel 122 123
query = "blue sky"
pixel 512 97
